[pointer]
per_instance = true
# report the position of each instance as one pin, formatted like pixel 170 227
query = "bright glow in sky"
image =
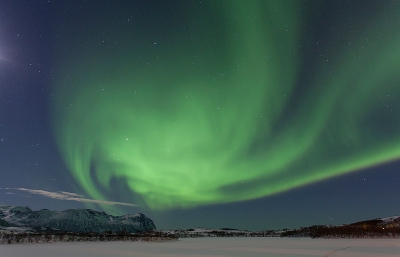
pixel 228 114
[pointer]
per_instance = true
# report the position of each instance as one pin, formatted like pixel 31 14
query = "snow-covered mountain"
pixel 388 222
pixel 74 220
pixel 395 220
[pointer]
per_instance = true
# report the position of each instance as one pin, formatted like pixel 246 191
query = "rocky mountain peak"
pixel 76 220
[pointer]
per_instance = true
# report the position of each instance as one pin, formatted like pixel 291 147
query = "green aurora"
pixel 224 113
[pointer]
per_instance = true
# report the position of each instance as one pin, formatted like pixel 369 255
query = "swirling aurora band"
pixel 223 118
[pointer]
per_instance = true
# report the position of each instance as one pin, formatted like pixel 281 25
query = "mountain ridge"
pixel 73 220
pixel 388 227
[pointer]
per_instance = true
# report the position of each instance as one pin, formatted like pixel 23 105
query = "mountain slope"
pixel 377 228
pixel 75 220
pixel 389 222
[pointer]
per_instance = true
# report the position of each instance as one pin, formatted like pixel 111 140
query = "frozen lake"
pixel 246 247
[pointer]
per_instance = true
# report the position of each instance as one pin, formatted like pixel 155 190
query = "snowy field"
pixel 246 247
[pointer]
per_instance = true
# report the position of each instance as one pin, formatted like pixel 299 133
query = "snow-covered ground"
pixel 195 247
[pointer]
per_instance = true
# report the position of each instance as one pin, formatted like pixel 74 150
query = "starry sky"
pixel 243 114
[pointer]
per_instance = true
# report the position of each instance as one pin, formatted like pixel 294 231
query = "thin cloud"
pixel 71 194
pixel 68 196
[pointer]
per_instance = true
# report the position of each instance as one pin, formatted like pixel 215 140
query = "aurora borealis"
pixel 203 106
pixel 192 125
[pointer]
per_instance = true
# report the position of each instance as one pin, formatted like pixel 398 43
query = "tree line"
pixel 224 233
pixel 46 237
pixel 345 231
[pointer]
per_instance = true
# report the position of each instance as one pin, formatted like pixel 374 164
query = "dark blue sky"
pixel 33 35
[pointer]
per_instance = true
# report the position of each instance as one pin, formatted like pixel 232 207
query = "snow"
pixel 5 212
pixel 215 247
pixel 389 219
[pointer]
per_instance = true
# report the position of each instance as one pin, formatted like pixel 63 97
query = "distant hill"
pixel 381 227
pixel 389 222
pixel 73 220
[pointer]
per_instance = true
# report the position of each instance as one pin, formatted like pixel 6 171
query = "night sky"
pixel 215 113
